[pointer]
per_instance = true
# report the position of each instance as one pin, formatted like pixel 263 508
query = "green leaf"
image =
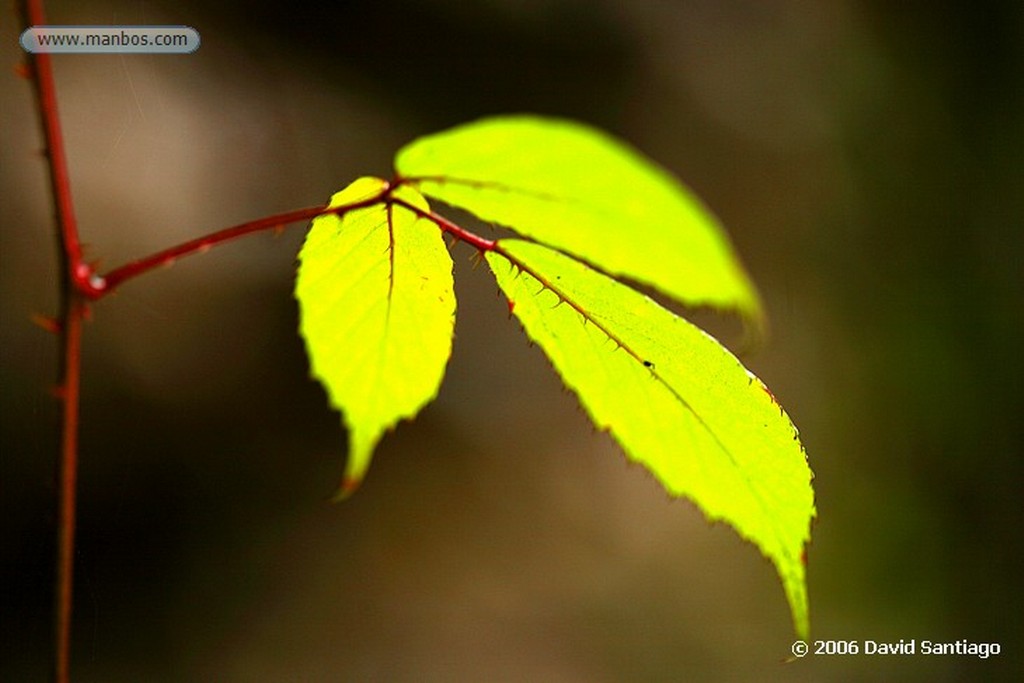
pixel 577 189
pixel 375 289
pixel 675 399
pixel 377 311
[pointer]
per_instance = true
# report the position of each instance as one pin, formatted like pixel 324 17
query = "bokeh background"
pixel 866 158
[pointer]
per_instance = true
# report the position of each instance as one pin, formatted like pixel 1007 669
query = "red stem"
pixel 98 286
pixel 59 179
pixel 80 283
pixel 101 285
pixel 74 276
pixel 71 334
pixel 447 226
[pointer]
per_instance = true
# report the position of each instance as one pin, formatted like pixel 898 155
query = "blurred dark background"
pixel 866 158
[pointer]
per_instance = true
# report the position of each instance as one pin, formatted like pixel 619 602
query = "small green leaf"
pixel 675 399
pixel 577 189
pixel 377 311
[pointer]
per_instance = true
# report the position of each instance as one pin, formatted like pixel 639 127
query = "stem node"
pixel 87 281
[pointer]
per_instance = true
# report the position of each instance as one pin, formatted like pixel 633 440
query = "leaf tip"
pixel 347 488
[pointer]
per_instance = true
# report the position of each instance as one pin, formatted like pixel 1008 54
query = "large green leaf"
pixel 377 311
pixel 675 399
pixel 577 189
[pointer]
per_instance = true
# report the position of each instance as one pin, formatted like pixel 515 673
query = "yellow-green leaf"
pixel 581 191
pixel 675 399
pixel 377 311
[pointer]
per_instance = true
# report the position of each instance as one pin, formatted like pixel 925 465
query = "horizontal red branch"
pixel 101 285
pixel 96 286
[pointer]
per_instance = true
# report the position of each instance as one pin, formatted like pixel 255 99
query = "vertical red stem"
pixel 67 487
pixel 59 178
pixel 73 272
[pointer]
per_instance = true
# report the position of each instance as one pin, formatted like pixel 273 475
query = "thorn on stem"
pixel 47 323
